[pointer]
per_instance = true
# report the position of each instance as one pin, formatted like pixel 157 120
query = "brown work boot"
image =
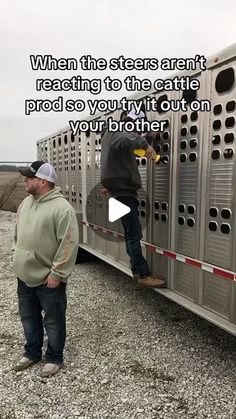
pixel 152 282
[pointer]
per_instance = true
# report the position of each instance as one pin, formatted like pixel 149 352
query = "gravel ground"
pixel 130 353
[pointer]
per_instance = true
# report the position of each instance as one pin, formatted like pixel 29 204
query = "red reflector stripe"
pixel 151 248
pixel 169 254
pixel 219 272
pixel 193 263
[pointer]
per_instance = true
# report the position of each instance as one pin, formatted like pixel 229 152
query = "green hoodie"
pixel 46 239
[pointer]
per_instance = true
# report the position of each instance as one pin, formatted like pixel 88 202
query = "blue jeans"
pixel 32 300
pixel 133 235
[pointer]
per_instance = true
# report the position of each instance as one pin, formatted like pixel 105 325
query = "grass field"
pixel 12 191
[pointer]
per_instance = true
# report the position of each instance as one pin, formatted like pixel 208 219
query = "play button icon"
pixel 116 210
pixel 102 213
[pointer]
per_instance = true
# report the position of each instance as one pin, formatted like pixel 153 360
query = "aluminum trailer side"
pixel 187 206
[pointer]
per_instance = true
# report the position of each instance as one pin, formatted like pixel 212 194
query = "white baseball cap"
pixel 133 115
pixel 41 170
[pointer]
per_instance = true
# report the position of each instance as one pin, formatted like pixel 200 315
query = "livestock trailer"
pixel 187 205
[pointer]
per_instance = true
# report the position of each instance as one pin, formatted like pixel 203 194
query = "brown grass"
pixel 12 191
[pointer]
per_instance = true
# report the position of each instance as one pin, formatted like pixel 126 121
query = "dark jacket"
pixel 119 169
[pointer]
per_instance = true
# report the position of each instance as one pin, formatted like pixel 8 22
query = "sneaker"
pixel 23 363
pixel 152 282
pixel 49 369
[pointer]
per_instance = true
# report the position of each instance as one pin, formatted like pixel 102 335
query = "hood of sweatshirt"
pixel 53 194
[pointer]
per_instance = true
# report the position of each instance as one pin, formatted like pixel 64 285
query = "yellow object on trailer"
pixel 140 152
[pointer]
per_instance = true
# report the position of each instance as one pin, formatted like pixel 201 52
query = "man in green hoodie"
pixel 45 249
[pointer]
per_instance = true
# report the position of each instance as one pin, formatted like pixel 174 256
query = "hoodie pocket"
pixel 41 261
pixel 28 267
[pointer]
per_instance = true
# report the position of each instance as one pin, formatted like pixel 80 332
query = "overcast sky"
pixel 101 28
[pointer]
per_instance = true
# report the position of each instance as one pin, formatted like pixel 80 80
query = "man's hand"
pixel 51 282
pixel 150 153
